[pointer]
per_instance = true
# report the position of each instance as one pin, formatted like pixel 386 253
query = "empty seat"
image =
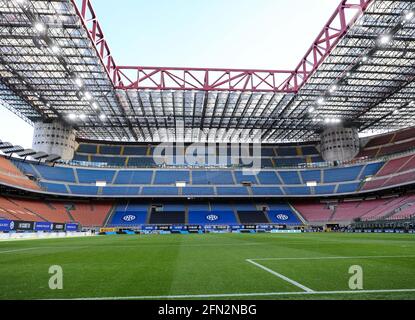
pixel 342 174
pixel 92 176
pixel 290 177
pixel 171 177
pixel 167 218
pixel 252 217
pixel 232 191
pixel 133 177
pixel 160 191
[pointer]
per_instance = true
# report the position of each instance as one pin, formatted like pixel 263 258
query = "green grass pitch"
pixel 212 266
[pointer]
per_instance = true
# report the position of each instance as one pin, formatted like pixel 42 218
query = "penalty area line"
pixel 281 276
pixel 241 295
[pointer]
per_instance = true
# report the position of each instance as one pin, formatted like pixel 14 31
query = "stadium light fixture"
pixel 88 96
pixel 333 88
pixel 72 116
pixel 102 116
pixel 409 16
pixel 95 105
pixel 385 39
pixel 311 109
pixel 79 82
pixel 82 116
pixel 40 27
pixel 55 49
pixel 365 59
pixel 321 101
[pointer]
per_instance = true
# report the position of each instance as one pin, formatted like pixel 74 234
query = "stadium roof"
pixel 55 64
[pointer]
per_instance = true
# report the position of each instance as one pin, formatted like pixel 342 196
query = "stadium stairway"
pixel 110 215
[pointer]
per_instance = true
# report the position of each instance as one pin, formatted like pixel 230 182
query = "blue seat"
pixel 92 176
pixel 268 152
pixel 241 206
pixel 198 191
pixel 245 177
pixel 371 170
pixel 267 163
pixel 87 148
pixel 221 206
pixel 137 177
pixel 287 151
pixel 130 218
pixel 311 175
pixel 283 216
pixel 141 162
pixel 268 178
pixel 289 162
pixel 199 207
pixel 56 173
pixel 348 187
pixel 110 161
pixel 342 174
pixel 267 191
pixel 135 151
pixel 83 190
pixel 325 189
pixel 160 191
pixel 133 207
pixel 26 168
pixel 232 191
pixel 309 150
pixel 214 177
pixel 318 159
pixel 81 158
pixel 54 187
pixel 120 191
pixel 295 191
pixel 290 177
pixel 214 217
pixel 279 206
pixel 111 150
pixel 171 177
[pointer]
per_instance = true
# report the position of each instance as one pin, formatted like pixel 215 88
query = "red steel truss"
pixel 204 79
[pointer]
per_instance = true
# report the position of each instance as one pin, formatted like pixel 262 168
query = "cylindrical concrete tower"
pixel 54 138
pixel 340 144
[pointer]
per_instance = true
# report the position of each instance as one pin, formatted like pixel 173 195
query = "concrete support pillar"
pixel 55 138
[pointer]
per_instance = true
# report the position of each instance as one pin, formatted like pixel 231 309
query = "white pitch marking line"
pixel 332 258
pixel 260 294
pixel 279 275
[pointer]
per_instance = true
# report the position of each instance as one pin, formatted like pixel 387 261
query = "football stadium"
pixel 159 183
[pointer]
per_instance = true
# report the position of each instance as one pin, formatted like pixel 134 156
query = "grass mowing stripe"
pixel 259 294
pixel 18 250
pixel 279 275
pixel 331 258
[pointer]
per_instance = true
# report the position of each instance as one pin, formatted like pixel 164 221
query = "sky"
pixel 251 34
